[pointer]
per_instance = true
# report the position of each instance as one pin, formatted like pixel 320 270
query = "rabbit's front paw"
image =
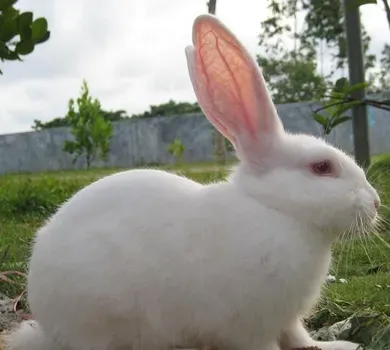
pixel 337 345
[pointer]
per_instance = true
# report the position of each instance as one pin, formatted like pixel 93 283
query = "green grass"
pixel 99 172
pixel 26 200
pixel 365 264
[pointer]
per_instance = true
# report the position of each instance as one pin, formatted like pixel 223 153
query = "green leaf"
pixel 337 95
pixel 357 87
pixel 3 49
pixel 5 4
pixel 347 106
pixel 25 47
pixel 340 85
pixel 44 38
pixel 12 56
pixel 39 29
pixel 8 55
pixel 24 25
pixel 70 146
pixel 339 120
pixel 8 26
pixel 319 118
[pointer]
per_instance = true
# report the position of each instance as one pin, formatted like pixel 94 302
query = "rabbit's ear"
pixel 229 85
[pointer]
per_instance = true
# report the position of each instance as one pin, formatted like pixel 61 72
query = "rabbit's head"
pixel 300 175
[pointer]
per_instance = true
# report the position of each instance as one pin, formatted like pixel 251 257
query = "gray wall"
pixel 142 142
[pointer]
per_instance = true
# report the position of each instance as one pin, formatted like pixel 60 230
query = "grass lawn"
pixel 27 199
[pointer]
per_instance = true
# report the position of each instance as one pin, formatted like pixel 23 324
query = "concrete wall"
pixel 142 142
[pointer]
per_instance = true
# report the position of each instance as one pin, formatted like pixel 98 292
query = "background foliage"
pixel 19 32
pixel 91 131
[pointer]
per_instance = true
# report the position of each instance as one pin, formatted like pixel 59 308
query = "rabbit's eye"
pixel 322 168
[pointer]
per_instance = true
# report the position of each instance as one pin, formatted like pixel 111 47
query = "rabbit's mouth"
pixel 366 222
pixel 365 217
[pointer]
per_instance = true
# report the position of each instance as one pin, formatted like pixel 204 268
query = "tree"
pixel 325 23
pixel 54 123
pixel 290 70
pixel 380 80
pixel 384 75
pixel 169 108
pixel 338 25
pixel 387 10
pixel 111 116
pixel 91 131
pixel 292 79
pixel 309 24
pixel 19 33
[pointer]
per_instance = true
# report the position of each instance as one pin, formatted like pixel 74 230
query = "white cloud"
pixel 131 53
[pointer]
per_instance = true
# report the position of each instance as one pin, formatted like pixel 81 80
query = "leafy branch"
pixel 19 32
pixel 339 101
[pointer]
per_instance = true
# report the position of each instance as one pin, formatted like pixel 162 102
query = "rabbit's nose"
pixel 377 203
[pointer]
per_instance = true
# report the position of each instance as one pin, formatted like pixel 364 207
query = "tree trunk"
pixel 356 76
pixel 219 139
pixel 212 4
pixel 387 9
pixel 89 157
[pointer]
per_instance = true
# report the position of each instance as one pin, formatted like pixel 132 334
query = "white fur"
pixel 29 336
pixel 145 259
pixel 296 336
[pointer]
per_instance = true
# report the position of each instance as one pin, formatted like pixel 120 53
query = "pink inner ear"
pixel 227 81
pixel 207 104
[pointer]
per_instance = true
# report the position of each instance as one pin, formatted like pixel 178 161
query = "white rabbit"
pixel 148 260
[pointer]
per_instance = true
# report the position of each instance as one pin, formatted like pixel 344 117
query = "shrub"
pixel 37 196
pixel 176 149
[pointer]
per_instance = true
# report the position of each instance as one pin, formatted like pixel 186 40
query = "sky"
pixel 131 53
